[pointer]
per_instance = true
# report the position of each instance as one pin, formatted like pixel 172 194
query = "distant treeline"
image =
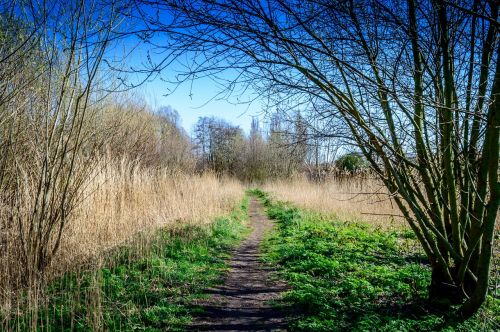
pixel 285 149
pixel 282 149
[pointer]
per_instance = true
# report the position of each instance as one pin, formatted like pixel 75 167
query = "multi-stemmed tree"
pixel 414 83
pixel 50 59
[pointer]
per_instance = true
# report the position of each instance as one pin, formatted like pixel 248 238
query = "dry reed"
pixel 360 199
pixel 121 201
pixel 125 199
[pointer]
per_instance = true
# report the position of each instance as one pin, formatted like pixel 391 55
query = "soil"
pixel 241 303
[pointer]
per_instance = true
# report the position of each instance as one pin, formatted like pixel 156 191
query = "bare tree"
pixel 254 161
pixel 218 145
pixel 175 148
pixel 49 152
pixel 413 83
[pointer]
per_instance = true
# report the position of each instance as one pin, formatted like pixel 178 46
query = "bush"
pixel 352 162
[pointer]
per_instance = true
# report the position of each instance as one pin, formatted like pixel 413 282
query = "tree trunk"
pixel 441 292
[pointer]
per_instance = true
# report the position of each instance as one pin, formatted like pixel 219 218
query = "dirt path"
pixel 240 303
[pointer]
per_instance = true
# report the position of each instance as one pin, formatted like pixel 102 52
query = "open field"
pixel 131 217
pixel 129 260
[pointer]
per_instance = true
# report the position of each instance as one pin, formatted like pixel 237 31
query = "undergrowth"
pixel 155 292
pixel 352 277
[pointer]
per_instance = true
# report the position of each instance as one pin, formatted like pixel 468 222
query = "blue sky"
pixel 197 100
pixel 191 99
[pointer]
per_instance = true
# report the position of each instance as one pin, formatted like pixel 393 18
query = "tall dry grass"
pixel 124 199
pixel 121 201
pixel 360 199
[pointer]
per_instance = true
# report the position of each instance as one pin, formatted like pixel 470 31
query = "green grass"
pixel 350 277
pixel 154 293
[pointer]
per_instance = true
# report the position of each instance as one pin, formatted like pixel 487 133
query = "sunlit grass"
pixel 352 276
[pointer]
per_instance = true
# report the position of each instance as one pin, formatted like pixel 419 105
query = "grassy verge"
pixel 351 277
pixel 155 292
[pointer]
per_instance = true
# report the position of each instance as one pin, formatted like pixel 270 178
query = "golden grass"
pixel 125 200
pixel 357 199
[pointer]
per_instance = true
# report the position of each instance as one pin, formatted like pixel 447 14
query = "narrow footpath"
pixel 241 302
